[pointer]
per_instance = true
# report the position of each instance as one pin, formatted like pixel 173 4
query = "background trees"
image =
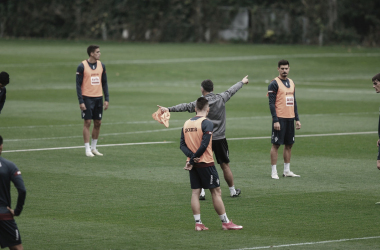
pixel 269 21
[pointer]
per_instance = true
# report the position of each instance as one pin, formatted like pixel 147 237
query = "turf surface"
pixel 138 196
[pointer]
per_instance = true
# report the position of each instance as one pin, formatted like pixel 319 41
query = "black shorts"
pixel 94 108
pixel 220 148
pixel 206 178
pixel 378 154
pixel 286 133
pixel 9 234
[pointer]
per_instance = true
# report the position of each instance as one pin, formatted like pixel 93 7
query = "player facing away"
pixel 91 82
pixel 217 116
pixel 283 107
pixel 4 80
pixel 9 234
pixel 196 144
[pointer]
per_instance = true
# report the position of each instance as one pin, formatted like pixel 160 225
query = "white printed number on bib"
pixel 95 80
pixel 289 101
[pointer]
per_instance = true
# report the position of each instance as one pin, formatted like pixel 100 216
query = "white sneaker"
pixel 96 152
pixel 275 176
pixel 290 174
pixel 89 154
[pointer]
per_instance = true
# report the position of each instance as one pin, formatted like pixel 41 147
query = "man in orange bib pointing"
pixel 91 82
pixel 283 107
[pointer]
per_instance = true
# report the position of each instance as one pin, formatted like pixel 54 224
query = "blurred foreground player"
pixel 217 116
pixel 196 139
pixel 9 234
pixel 283 107
pixel 91 83
pixel 376 86
pixel 4 80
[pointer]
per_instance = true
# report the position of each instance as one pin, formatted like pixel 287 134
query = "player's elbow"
pixel 22 191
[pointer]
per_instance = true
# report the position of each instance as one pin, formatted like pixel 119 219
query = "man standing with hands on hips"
pixel 9 233
pixel 283 107
pixel 91 82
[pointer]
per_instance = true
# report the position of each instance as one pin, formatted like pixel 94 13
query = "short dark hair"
pixel 207 85
pixel 1 140
pixel 201 103
pixel 4 78
pixel 92 49
pixel 283 62
pixel 376 77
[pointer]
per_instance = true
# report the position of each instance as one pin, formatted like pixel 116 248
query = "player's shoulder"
pixel 7 163
pixel 273 84
pixel 207 122
pixel 80 67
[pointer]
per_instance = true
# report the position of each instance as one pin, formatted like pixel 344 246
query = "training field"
pixel 137 196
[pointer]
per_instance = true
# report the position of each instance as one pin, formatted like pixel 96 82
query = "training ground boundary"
pixel 310 243
pixel 166 142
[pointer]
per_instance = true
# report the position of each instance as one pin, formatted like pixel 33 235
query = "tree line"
pixel 269 21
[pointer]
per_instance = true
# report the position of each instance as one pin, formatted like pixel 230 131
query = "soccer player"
pixel 91 83
pixel 4 80
pixel 9 234
pixel 217 116
pixel 283 106
pixel 196 144
pixel 376 86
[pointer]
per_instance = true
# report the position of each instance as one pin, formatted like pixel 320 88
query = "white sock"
pixel 197 218
pixel 274 169
pixel 232 190
pixel 87 146
pixel 203 192
pixel 286 167
pixel 224 218
pixel 93 144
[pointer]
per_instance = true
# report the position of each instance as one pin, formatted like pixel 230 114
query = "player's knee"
pixel 97 123
pixel 87 123
pixel 18 247
pixel 196 192
pixel 216 191
pixel 378 164
pixel 225 166
pixel 289 146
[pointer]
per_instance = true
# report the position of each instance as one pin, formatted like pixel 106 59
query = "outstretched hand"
pixel 245 80
pixel 163 109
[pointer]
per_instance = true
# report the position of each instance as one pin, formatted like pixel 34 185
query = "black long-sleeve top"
pixel 3 92
pixel 10 173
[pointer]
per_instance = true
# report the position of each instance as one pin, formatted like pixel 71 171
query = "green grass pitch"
pixel 138 196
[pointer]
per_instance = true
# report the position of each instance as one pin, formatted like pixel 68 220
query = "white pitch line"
pixel 202 59
pixel 80 136
pixel 314 135
pixel 155 122
pixel 105 145
pixel 230 139
pixel 310 243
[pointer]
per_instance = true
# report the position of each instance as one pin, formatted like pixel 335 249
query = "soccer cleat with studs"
pixel 200 227
pixel 96 152
pixel 290 174
pixel 275 176
pixel 89 154
pixel 238 192
pixel 231 226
